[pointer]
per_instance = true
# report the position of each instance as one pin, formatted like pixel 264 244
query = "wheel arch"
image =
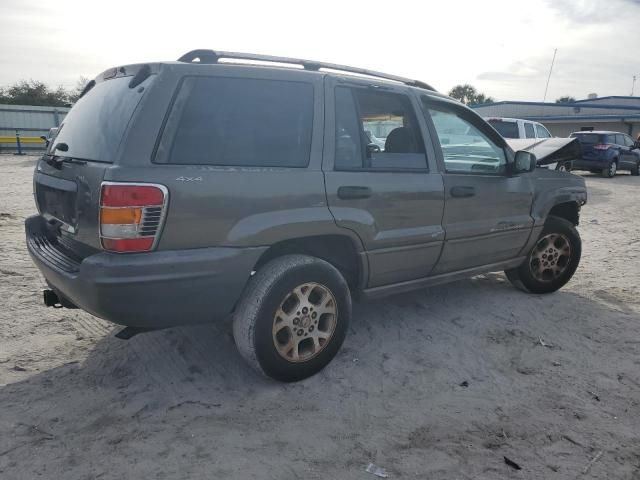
pixel 568 210
pixel 341 251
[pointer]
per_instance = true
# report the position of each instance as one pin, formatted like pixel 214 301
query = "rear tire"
pixel 293 317
pixel 552 261
pixel 611 170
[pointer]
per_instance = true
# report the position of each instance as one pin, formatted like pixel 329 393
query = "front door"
pixel 487 217
pixel 381 178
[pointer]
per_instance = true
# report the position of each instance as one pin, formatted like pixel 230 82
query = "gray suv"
pixel 185 192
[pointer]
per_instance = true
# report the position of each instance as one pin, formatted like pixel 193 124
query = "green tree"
pixel 33 92
pixel 469 95
pixel 566 99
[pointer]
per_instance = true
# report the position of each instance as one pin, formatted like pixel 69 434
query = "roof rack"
pixel 213 56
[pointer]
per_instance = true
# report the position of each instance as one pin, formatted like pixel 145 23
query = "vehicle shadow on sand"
pixel 185 393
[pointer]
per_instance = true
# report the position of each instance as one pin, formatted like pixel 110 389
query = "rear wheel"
pixel 611 170
pixel 293 317
pixel 552 261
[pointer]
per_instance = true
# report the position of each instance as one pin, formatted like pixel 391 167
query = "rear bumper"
pixel 147 290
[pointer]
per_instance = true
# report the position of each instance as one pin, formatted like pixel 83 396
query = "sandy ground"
pixel 76 403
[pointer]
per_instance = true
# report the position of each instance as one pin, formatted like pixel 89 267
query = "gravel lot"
pixel 76 403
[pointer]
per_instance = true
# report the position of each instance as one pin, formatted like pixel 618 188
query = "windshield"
pixel 94 127
pixel 506 129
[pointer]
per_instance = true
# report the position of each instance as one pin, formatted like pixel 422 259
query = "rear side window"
pixel 376 131
pixel 610 139
pixel 505 128
pixel 239 122
pixel 95 126
pixel 528 130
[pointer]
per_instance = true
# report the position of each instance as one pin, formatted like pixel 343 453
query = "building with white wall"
pixel 620 114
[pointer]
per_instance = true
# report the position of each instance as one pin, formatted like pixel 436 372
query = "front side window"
pixel 376 130
pixel 542 132
pixel 628 142
pixel 465 149
pixel 528 130
pixel 239 122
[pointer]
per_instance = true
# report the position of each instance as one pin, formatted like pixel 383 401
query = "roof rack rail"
pixel 213 56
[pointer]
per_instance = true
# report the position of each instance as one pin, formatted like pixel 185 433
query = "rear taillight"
pixel 602 146
pixel 131 216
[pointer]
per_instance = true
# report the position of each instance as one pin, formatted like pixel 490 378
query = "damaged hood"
pixel 548 150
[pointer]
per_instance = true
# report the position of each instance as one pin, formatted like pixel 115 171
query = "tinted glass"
pixel 376 130
pixel 505 128
pixel 94 127
pixel 542 132
pixel 619 140
pixel 587 138
pixel 465 148
pixel 348 140
pixel 239 122
pixel 528 130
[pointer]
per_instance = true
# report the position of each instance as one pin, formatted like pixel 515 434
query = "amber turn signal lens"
pixel 120 216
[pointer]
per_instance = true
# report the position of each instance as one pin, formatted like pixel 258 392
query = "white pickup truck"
pixel 518 128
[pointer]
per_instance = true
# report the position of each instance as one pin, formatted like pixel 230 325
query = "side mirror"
pixel 43 137
pixel 524 162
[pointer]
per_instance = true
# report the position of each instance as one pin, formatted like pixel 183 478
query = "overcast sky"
pixel 502 47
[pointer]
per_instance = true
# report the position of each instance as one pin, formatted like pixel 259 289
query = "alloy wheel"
pixel 550 257
pixel 305 322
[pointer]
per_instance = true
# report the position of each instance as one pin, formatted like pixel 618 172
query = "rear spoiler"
pixel 548 150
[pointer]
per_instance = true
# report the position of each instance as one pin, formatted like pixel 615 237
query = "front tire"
pixel 636 170
pixel 552 261
pixel 293 317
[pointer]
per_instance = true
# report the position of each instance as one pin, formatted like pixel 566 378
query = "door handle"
pixel 462 191
pixel 353 192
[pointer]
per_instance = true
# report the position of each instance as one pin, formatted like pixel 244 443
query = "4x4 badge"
pixel 189 179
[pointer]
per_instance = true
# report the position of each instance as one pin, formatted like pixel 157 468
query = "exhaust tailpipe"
pixel 51 298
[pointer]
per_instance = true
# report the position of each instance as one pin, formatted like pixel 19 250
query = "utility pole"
pixel 633 85
pixel 549 77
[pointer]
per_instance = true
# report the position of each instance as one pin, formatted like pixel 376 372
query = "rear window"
pixel 239 122
pixel 94 127
pixel 587 138
pixel 506 129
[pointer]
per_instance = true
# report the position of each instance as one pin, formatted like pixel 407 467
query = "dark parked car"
pixel 184 192
pixel 607 152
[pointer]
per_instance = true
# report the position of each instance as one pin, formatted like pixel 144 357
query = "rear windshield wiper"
pixel 56 161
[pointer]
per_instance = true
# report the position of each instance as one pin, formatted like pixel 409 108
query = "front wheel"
pixel 293 317
pixel 552 261
pixel 635 171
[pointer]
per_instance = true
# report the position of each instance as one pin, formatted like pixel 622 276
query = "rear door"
pixel 529 131
pixel 487 216
pixel 391 197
